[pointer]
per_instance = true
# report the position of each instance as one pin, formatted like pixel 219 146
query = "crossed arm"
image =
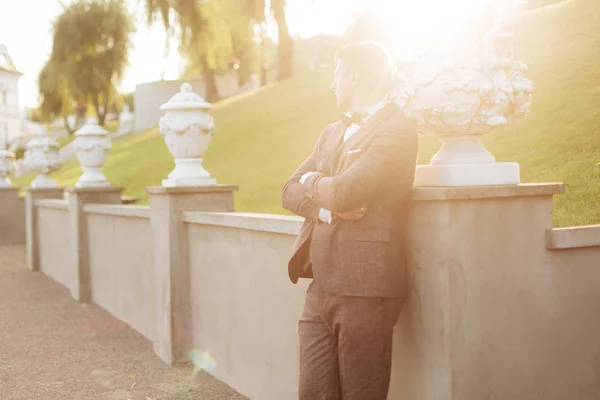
pixel 385 165
pixel 295 196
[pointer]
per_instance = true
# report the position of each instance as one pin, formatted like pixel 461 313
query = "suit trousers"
pixel 346 346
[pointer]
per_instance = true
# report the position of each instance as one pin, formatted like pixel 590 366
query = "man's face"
pixel 343 86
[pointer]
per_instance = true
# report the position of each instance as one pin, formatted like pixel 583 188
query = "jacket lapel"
pixel 300 263
pixel 363 133
pixel 331 149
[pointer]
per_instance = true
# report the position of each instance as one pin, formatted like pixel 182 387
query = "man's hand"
pixel 354 214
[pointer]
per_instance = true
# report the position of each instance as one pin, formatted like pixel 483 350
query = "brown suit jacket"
pixel 375 166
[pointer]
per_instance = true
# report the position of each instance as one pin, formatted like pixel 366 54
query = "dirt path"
pixel 52 347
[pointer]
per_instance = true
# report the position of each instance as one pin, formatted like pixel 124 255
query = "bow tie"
pixel 357 118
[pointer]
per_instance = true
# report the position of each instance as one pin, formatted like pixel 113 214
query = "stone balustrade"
pixel 490 278
pixel 502 305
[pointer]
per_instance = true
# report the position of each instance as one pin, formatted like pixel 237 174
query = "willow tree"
pixel 204 37
pixel 285 48
pixel 55 99
pixel 209 28
pixel 90 51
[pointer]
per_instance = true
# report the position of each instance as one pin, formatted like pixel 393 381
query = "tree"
pixel 90 52
pixel 213 30
pixel 285 51
pixel 55 99
pixel 244 49
pixel 128 99
pixel 204 38
pixel 35 115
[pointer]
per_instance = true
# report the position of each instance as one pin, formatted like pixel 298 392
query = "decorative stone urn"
pixel 474 91
pixel 187 128
pixel 92 146
pixel 7 167
pixel 42 156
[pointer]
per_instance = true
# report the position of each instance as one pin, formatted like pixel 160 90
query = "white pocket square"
pixel 354 151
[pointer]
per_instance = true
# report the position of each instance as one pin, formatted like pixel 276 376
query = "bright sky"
pixel 25 28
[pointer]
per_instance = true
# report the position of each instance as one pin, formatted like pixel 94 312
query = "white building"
pixel 10 115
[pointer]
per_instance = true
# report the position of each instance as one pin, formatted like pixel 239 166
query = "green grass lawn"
pixel 111 126
pixel 65 140
pixel 262 137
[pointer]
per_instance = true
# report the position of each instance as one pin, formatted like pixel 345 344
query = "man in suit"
pixel 354 191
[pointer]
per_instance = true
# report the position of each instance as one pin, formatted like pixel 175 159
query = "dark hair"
pixel 372 60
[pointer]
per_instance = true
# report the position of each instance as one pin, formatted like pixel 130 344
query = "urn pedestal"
pixel 464 161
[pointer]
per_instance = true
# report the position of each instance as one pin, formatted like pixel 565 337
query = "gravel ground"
pixel 52 347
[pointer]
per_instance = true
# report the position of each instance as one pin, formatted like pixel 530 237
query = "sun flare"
pixel 420 26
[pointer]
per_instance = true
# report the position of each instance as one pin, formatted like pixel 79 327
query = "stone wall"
pixel 12 216
pixel 244 310
pixel 502 305
pixel 54 235
pixel 122 279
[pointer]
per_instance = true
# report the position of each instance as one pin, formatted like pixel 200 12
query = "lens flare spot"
pixel 203 361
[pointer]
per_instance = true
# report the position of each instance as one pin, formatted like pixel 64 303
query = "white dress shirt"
pixel 324 214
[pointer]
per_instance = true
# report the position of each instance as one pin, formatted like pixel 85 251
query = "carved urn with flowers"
pixel 462 95
pixel 187 128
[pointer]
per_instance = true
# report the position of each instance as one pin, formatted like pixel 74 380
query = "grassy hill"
pixel 261 138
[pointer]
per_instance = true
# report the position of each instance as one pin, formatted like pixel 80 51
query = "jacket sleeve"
pixel 387 164
pixel 295 197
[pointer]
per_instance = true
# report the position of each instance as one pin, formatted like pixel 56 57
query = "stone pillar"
pixel 31 221
pixel 480 292
pixel 172 320
pixel 12 216
pixel 77 198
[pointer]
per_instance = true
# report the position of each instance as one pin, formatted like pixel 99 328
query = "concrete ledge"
pixel 287 225
pixel 118 210
pixel 55 204
pixel 92 190
pixel 47 191
pixel 191 189
pixel 486 192
pixel 573 238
